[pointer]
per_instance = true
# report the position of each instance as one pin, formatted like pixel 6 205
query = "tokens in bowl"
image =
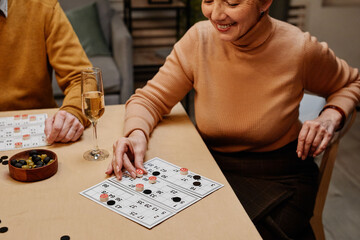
pixel 33 165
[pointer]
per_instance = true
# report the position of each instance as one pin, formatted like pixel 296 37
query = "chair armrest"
pixel 122 53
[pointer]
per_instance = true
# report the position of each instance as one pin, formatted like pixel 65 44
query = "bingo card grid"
pixel 171 193
pixel 171 173
pixel 22 131
pixel 128 204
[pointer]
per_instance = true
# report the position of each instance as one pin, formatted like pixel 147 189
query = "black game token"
pixel 36 159
pixel 65 237
pixel 176 199
pixel 4 157
pixel 46 160
pixel 3 230
pixel 197 177
pixel 156 173
pixel 5 162
pixel 33 152
pixel 110 202
pixel 23 162
pixel 197 183
pixel 147 191
pixel 18 165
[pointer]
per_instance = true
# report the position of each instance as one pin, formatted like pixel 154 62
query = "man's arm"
pixel 67 58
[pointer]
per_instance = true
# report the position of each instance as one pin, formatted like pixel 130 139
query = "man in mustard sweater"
pixel 36 37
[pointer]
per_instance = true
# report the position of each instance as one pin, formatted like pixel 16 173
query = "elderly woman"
pixel 249 72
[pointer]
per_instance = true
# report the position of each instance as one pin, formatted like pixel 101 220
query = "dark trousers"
pixel 276 188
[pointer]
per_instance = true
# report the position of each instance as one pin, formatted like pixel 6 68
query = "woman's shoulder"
pixel 287 29
pixel 293 34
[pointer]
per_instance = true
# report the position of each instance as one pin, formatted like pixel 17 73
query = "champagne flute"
pixel 93 107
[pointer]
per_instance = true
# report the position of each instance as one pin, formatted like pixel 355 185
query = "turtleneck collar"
pixel 257 35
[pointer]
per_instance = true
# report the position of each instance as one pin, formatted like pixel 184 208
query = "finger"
pixel 74 132
pixel 109 169
pixel 118 152
pixel 117 161
pixel 78 133
pixel 317 141
pixel 324 143
pixel 308 143
pixel 58 122
pixel 128 166
pixel 301 139
pixel 139 162
pixel 48 125
pixel 115 169
pixel 66 127
pixel 69 135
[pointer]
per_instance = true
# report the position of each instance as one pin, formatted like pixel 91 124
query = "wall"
pixel 338 26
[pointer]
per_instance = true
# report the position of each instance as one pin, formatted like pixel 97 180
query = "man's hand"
pixel 126 150
pixel 316 134
pixel 63 127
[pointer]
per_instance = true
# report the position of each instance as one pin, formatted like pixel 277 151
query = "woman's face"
pixel 232 18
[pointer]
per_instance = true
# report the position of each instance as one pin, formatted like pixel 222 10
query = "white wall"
pixel 338 26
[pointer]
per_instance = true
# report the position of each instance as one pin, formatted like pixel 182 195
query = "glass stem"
pixel 96 147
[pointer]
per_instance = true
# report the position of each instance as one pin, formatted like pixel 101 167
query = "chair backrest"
pixel 105 12
pixel 71 4
pixel 325 171
pixel 310 107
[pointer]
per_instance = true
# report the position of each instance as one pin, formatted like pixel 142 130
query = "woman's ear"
pixel 265 5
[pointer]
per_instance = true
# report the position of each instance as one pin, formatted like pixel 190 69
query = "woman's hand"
pixel 128 149
pixel 315 135
pixel 63 127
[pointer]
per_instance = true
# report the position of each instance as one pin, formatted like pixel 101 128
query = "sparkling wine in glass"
pixel 93 107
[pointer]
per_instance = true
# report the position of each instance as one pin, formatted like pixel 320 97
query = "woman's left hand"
pixel 315 134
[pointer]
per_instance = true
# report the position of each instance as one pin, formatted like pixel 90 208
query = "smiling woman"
pixel 249 72
pixel 233 18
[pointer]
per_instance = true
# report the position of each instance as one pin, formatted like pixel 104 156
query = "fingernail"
pixel 117 169
pixel 133 174
pixel 299 154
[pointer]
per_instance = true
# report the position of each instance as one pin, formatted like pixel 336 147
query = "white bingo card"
pixel 22 131
pixel 171 193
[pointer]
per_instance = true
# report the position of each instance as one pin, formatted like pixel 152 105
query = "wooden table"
pixel 53 207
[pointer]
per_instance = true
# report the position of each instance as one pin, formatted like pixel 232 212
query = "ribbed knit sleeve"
pixel 173 81
pixel 67 58
pixel 329 76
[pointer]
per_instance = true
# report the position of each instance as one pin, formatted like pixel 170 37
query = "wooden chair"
pixel 326 168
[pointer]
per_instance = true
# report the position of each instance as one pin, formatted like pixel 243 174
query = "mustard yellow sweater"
pixel 247 93
pixel 36 35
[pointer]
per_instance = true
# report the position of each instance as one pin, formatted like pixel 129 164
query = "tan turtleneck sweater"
pixel 35 35
pixel 247 93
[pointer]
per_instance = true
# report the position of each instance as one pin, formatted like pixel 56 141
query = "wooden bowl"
pixel 34 174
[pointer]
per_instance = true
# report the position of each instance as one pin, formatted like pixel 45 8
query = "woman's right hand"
pixel 126 150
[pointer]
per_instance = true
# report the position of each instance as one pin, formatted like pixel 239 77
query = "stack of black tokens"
pixel 35 160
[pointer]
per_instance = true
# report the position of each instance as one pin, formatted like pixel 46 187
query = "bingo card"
pixel 22 131
pixel 151 199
